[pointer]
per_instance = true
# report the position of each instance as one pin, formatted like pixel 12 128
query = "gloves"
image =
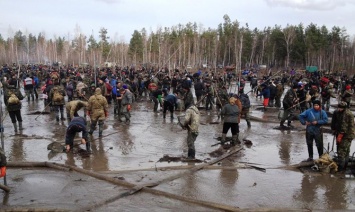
pixel 88 113
pixel 106 114
pixel 340 137
pixel 128 107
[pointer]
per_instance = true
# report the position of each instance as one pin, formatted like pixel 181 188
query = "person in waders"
pixel 97 110
pixel 12 99
pixel 344 129
pixel 314 118
pixel 230 115
pixel 191 122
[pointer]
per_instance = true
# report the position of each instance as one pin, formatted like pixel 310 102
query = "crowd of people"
pixel 96 91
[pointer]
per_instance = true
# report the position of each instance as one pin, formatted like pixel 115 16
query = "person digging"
pixel 77 124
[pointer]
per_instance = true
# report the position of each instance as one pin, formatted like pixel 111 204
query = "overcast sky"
pixel 121 17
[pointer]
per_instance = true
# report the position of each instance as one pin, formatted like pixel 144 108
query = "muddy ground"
pixel 138 153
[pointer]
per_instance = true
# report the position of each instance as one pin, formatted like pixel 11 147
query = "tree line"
pixel 294 46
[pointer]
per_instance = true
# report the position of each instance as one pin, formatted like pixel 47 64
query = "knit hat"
pixel 342 104
pixel 295 86
pixel 125 86
pixel 316 102
pixel 348 87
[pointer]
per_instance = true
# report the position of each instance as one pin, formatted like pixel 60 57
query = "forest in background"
pixel 190 45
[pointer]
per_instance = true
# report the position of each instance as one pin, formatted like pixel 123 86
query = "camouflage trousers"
pixel 191 138
pixel 343 149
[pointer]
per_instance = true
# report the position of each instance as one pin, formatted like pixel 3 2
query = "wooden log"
pixel 54 166
pixel 5 188
pixel 136 188
pixel 25 164
pixel 23 209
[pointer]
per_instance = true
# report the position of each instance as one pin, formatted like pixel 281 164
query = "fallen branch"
pixel 5 188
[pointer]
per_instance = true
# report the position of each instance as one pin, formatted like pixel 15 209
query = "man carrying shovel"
pixel 314 118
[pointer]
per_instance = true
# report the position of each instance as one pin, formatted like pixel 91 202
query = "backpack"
pixel 13 99
pixel 2 158
pixel 108 88
pixel 244 98
pixel 325 93
pixel 57 96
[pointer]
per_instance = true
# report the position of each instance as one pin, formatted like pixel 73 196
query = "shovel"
pixel 332 153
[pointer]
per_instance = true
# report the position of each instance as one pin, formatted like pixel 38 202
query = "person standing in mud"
pixel 265 92
pixel 343 128
pixel 209 96
pixel 191 122
pixel 12 100
pixel 56 95
pixel 77 124
pixel 230 115
pixel 289 102
pixel 29 85
pixel 314 118
pixel 279 92
pixel 126 103
pixel 97 110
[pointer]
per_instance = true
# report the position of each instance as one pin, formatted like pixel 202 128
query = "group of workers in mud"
pixel 97 90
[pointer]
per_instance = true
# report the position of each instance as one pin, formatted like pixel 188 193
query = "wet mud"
pixel 262 175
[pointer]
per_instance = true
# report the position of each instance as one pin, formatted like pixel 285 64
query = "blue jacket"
pixel 265 92
pixel 311 115
pixel 172 99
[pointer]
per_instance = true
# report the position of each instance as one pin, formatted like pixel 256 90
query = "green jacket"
pixel 12 107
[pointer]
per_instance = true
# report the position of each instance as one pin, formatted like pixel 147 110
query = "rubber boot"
pixel 15 127
pixel 171 116
pixel 310 150
pixel 88 146
pixel 20 126
pixel 235 139
pixel 289 124
pixel 92 128
pixel 191 154
pixel 248 123
pixel 62 116
pixel 57 118
pixel 101 128
pixel 282 123
pixel 341 164
pixel 223 139
pixel 164 115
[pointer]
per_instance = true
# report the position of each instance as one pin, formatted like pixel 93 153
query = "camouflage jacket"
pixel 7 93
pixel 189 98
pixel 290 99
pixel 74 106
pixel 279 91
pixel 346 96
pixel 343 122
pixel 97 106
pixel 192 119
pixel 61 91
pixel 223 97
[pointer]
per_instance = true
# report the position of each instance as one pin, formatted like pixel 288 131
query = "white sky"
pixel 121 17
